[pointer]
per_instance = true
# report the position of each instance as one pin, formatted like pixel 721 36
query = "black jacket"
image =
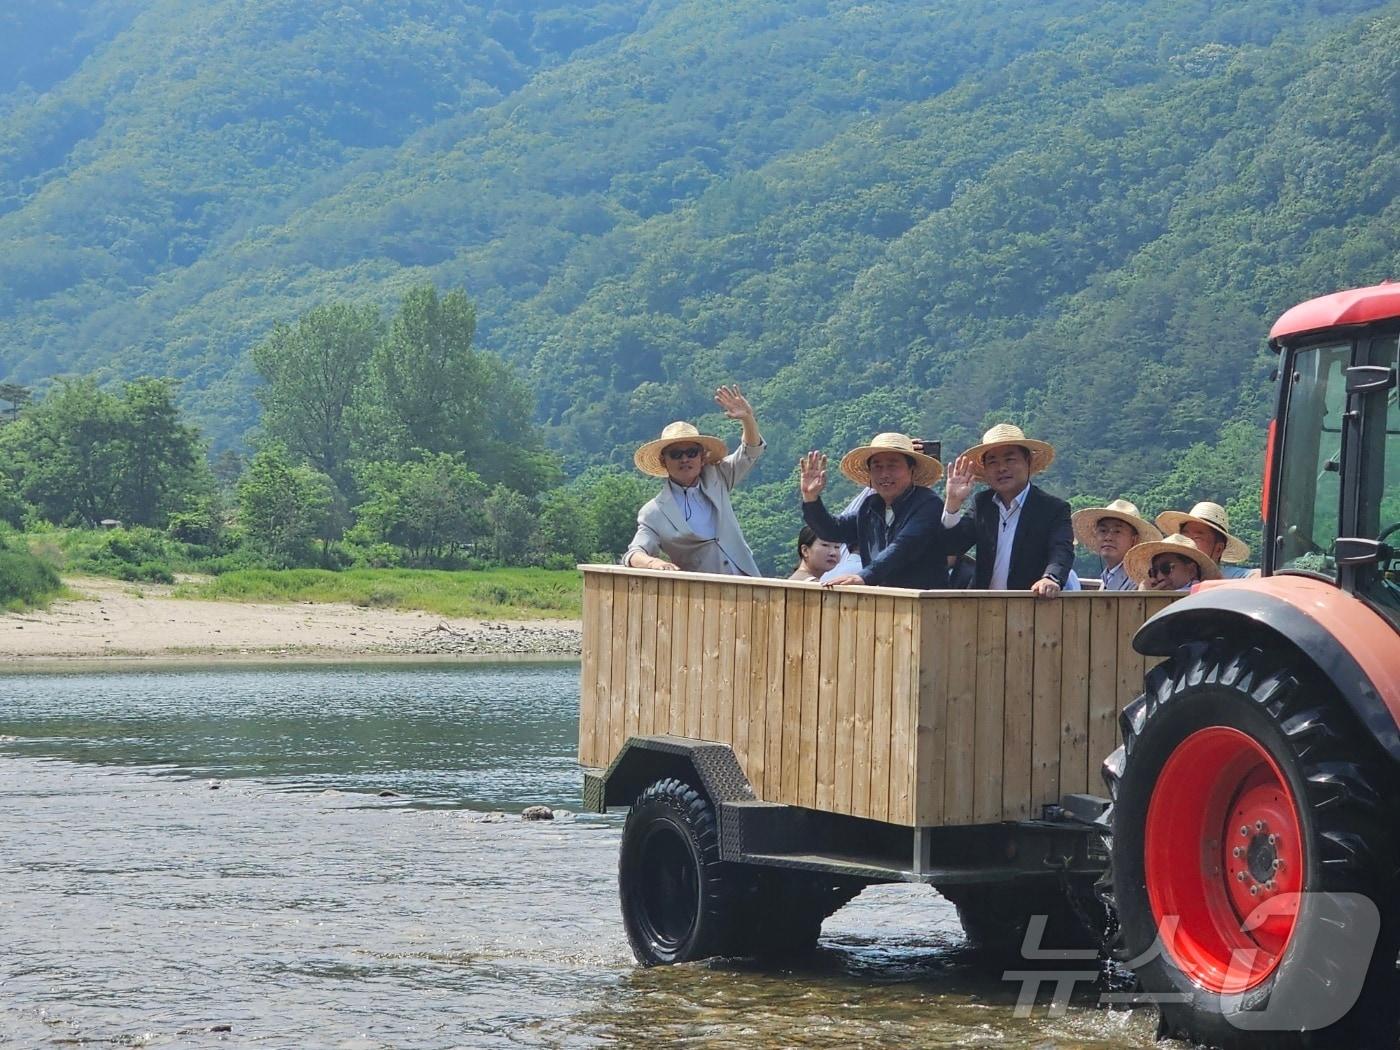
pixel 1044 544
pixel 909 552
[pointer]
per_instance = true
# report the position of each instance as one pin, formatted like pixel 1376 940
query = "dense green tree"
pixel 283 507
pixel 311 372
pixel 430 508
pixel 511 525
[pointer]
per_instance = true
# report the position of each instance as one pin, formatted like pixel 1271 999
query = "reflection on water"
pixel 299 909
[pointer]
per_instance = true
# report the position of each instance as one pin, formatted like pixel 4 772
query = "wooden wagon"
pixel 871 733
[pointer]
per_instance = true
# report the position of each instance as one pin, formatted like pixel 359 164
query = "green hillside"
pixel 1080 215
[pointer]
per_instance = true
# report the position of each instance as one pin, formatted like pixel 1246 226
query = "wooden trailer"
pixel 874 733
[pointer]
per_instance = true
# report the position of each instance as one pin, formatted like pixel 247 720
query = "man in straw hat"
pixel 1208 527
pixel 691 520
pixel 896 528
pixel 1023 534
pixel 1110 532
pixel 1171 564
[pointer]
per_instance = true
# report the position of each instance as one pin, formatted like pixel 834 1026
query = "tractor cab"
pixel 1331 497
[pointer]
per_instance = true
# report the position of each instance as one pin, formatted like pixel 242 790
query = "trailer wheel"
pixel 996 917
pixel 1254 855
pixel 784 911
pixel 678 897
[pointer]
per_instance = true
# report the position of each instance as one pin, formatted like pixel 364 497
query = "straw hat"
pixel 855 464
pixel 1140 557
pixel 649 456
pixel 1009 434
pixel 1212 514
pixel 1120 510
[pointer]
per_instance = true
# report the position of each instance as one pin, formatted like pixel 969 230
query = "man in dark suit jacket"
pixel 1024 537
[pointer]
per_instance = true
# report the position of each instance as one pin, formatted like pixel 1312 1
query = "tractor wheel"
pixel 678 898
pixel 995 918
pixel 1254 855
pixel 784 911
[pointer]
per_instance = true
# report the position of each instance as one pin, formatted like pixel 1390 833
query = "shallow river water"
pixel 294 906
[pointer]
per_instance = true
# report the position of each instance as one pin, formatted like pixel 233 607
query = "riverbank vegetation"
pixel 25 581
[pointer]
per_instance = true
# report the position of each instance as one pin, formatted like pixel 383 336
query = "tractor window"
pixel 1310 478
pixel 1380 484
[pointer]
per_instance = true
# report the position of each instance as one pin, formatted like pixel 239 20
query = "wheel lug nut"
pixel 1244 831
pixel 1239 876
pixel 1278 864
pixel 1259 825
pixel 1254 890
pixel 1238 851
pixel 1269 885
pixel 1273 840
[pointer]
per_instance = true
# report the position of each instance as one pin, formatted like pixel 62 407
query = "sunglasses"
pixel 1163 568
pixel 684 453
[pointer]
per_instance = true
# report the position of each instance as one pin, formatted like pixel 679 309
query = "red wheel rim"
pixel 1223 860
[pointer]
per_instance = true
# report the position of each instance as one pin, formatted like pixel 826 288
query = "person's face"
pixel 890 475
pixel 1113 539
pixel 1171 572
pixel 1206 539
pixel 821 557
pixel 684 461
pixel 1007 469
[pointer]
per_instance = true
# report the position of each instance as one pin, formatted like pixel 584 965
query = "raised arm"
pixel 736 466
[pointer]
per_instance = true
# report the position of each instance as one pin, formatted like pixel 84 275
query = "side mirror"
pixel 1364 379
pixel 1355 550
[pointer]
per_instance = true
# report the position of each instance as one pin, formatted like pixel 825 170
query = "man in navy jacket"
pixel 1023 535
pixel 898 528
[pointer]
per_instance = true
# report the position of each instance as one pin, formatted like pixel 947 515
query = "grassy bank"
pixel 503 594
pixel 25 581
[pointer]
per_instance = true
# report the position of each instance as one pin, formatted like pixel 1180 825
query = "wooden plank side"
pixel 864 707
pixel 588 674
pixel 723 692
pixel 962 710
pixel 991 704
pixel 680 657
pixel 661 675
pixel 904 688
pixel 846 677
pixel 696 658
pixel 792 699
pixel 636 607
pixel 646 717
pixel 743 649
pixel 1017 718
pixel 1103 682
pixel 1045 703
pixel 709 665
pixel 881 711
pixel 931 731
pixel 602 691
pixel 827 723
pixel 811 699
pixel 1074 697
pixel 758 692
pixel 621 653
pixel 774 696
pixel 1130 618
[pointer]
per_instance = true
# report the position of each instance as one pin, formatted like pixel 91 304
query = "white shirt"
pixel 698 510
pixel 1006 535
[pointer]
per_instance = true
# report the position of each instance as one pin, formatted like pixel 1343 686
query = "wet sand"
pixel 111 620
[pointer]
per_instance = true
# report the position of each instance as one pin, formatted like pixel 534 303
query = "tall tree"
pixel 311 371
pixel 159 452
pixel 283 506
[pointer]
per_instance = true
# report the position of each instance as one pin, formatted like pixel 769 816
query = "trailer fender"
pixel 708 766
pixel 1347 641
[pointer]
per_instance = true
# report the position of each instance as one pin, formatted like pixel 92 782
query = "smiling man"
pixel 1023 534
pixel 691 520
pixel 897 528
pixel 1110 532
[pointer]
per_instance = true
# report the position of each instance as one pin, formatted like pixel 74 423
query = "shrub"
pixel 25 580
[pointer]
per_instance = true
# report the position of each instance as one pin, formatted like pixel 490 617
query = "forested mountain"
pixel 1077 214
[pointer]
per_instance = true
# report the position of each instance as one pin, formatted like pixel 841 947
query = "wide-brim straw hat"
pixel 1042 454
pixel 855 464
pixel 1119 510
pixel 1212 514
pixel 649 458
pixel 1140 557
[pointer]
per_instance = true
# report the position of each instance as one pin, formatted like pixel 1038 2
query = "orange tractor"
pixel 1255 844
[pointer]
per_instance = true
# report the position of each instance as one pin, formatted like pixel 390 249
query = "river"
pixel 329 856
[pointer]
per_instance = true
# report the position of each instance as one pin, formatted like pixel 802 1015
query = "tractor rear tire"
pixel 1254 854
pixel 679 900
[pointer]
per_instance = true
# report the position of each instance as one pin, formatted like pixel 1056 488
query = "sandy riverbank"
pixel 113 620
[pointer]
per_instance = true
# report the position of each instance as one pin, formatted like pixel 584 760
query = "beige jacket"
pixel 661 526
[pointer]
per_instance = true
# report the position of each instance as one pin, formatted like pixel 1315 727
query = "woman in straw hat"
pixel 1023 534
pixel 897 527
pixel 1208 527
pixel 1171 564
pixel 1110 532
pixel 691 520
